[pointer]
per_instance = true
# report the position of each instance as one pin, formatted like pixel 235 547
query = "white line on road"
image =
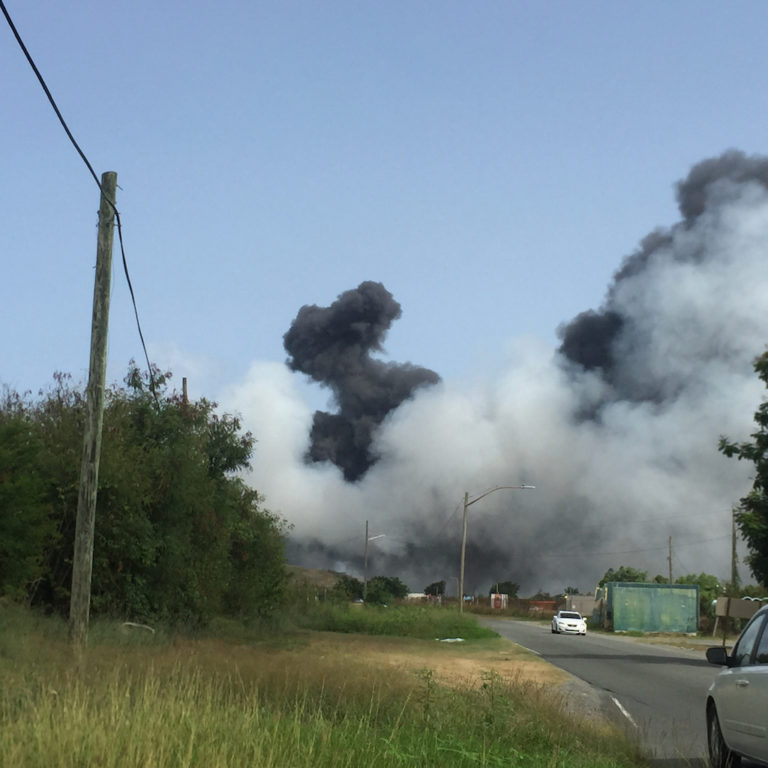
pixel 623 710
pixel 526 648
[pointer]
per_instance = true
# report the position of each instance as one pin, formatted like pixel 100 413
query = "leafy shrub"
pixel 178 536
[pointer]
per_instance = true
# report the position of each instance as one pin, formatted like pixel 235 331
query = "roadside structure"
pixel 648 607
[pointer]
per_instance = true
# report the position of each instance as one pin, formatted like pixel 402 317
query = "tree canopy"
pixel 624 573
pixel 709 590
pixel 179 535
pixel 752 512
pixel 385 589
pixel 379 589
pixel 347 588
pixel 435 588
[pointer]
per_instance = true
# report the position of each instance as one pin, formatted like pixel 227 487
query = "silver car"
pixel 737 700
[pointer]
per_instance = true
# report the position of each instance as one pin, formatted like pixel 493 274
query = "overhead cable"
pixel 96 179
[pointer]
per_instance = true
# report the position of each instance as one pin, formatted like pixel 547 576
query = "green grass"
pixel 167 700
pixel 424 622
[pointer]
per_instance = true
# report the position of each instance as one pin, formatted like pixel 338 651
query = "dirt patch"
pixel 455 664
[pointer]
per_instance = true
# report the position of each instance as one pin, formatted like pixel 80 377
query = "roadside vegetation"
pixel 203 650
pixel 179 536
pixel 751 514
pixel 423 622
pixel 238 696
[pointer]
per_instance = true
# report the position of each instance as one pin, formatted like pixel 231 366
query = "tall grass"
pixel 419 621
pixel 175 701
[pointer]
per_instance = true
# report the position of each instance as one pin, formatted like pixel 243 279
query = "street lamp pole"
pixel 365 559
pixel 468 503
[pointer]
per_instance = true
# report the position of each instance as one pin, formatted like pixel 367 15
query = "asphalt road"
pixel 655 692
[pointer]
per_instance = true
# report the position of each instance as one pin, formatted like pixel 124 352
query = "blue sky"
pixel 490 163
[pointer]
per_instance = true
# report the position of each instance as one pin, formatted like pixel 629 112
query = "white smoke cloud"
pixel 623 457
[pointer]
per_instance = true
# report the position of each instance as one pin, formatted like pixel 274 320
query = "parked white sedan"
pixel 569 622
pixel 737 701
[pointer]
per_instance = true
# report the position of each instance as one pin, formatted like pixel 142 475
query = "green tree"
pixel 347 588
pixel 435 588
pixel 624 573
pixel 709 589
pixel 753 590
pixel 258 580
pixel 385 589
pixel 59 416
pixel 179 535
pixel 26 524
pixel 199 542
pixel 504 588
pixel 752 514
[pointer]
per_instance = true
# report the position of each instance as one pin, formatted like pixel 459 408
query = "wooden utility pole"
pixel 365 558
pixel 82 561
pixel 463 552
pixel 365 564
pixel 735 580
pixel 670 560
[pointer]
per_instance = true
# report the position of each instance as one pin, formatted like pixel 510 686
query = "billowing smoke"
pixel 333 345
pixel 649 306
pixel 617 429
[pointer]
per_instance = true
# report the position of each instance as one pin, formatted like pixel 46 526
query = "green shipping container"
pixel 636 607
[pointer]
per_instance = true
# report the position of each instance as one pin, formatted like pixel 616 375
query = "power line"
pixel 682 565
pixel 556 553
pixel 95 178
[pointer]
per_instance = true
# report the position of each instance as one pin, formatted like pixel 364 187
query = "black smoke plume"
pixel 333 345
pixel 618 431
pixel 603 341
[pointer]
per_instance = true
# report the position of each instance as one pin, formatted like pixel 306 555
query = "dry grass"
pixel 457 665
pixel 309 699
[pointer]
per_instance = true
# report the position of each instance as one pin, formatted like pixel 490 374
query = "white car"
pixel 737 700
pixel 570 622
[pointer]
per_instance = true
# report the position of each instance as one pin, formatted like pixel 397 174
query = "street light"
pixel 468 503
pixel 365 558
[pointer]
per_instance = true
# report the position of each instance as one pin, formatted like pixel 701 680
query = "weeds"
pixel 204 701
pixel 427 693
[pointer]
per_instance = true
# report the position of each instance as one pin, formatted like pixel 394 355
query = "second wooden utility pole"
pixel 670 560
pixel 735 580
pixel 82 561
